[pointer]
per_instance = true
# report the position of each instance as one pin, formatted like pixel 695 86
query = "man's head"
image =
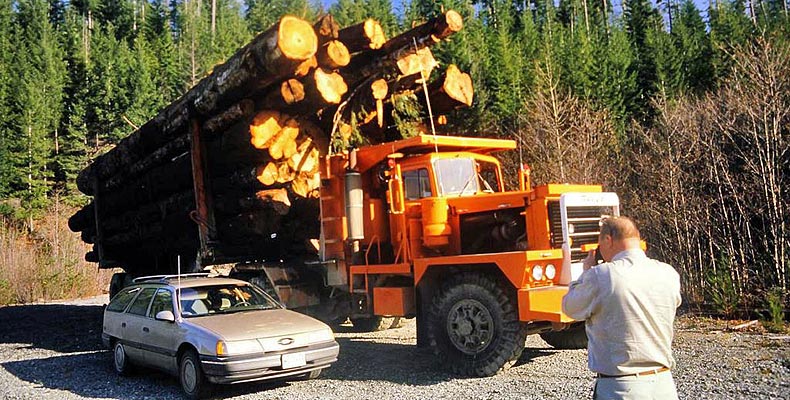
pixel 617 234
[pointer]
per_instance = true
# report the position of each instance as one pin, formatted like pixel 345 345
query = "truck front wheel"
pixel 473 326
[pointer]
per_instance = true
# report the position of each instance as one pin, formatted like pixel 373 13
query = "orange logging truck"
pixel 423 227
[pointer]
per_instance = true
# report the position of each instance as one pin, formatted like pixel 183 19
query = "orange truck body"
pixel 417 228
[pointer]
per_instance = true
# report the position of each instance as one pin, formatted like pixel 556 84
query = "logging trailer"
pixel 418 227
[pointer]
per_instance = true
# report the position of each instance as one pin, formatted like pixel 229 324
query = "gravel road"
pixel 53 351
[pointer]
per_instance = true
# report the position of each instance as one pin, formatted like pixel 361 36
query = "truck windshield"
pixel 223 299
pixel 456 176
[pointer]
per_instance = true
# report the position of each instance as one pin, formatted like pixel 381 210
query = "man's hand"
pixel 590 261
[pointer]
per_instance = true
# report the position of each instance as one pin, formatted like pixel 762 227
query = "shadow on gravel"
pixel 58 327
pixel 530 354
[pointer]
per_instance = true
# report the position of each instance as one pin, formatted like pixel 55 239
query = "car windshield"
pixel 456 176
pixel 223 299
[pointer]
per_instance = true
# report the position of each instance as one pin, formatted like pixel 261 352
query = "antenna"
pixel 178 291
pixel 423 78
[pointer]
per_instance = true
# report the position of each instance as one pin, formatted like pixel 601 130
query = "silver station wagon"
pixel 213 330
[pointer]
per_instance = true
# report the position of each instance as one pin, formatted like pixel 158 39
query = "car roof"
pixel 189 281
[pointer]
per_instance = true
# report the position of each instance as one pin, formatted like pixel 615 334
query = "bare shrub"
pixel 47 263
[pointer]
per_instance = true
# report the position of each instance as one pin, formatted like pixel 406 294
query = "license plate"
pixel 293 360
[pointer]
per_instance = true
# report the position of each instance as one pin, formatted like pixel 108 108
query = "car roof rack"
pixel 166 278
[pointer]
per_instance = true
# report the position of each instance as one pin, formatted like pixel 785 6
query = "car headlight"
pixel 236 347
pixel 324 335
pixel 537 272
pixel 551 271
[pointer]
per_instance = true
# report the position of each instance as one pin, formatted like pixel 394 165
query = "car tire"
pixel 371 324
pixel 190 376
pixel 120 359
pixel 311 375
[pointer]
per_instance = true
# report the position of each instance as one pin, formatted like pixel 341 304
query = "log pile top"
pixel 258 126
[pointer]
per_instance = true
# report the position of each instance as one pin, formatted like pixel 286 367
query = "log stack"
pixel 230 171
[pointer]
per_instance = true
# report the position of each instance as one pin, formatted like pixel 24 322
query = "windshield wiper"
pixel 466 185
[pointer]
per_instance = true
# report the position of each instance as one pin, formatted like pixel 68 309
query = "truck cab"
pixel 424 227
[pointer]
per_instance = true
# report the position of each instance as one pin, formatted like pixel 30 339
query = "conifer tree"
pixel 261 14
pixel 40 74
pixel 730 27
pixel 693 44
pixel 639 17
pixel 6 133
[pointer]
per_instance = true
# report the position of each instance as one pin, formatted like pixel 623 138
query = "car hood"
pixel 258 324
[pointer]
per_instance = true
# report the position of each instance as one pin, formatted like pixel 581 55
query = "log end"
pixel 330 85
pixel 374 33
pixel 458 85
pixel 296 39
pixel 454 21
pixel 379 89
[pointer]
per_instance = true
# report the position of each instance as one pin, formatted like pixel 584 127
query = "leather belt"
pixel 643 373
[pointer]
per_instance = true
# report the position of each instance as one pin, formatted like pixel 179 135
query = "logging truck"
pixel 239 172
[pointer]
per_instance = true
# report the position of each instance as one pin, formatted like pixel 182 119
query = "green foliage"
pixel 721 289
pixel 774 302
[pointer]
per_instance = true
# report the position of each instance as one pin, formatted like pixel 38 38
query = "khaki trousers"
pixel 659 386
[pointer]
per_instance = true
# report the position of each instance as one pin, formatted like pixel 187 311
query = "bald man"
pixel 629 305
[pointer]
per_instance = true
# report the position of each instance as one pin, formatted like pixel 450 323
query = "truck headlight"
pixel 537 272
pixel 551 271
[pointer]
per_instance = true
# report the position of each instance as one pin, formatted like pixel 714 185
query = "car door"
pixel 136 317
pixel 161 337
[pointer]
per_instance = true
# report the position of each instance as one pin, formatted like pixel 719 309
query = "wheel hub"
pixel 470 326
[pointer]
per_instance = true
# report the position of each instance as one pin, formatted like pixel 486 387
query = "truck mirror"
pixel 395 193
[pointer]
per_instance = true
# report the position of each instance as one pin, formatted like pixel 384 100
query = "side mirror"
pixel 165 316
pixel 395 194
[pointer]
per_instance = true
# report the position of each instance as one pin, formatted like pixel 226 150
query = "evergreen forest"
pixel 684 112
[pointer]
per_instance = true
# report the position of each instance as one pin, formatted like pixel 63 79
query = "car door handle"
pixel 145 329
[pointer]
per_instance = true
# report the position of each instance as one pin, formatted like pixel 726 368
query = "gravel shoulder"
pixel 53 351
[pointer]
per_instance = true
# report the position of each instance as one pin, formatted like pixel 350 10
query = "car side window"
pixel 122 299
pixel 163 301
pixel 140 304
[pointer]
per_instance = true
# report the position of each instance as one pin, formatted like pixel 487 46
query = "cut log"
pixel 454 90
pixel 267 174
pixel 285 138
pixel 220 122
pixel 326 29
pixel 270 57
pixel 366 35
pixel 306 185
pixel 304 68
pixel 306 158
pixel 322 88
pixel 333 55
pixel 288 92
pixel 420 63
pixel 237 203
pixel 264 128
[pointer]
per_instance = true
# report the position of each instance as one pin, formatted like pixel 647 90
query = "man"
pixel 629 305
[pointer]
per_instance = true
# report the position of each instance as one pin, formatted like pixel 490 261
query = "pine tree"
pixel 6 129
pixel 615 84
pixel 670 76
pixel 730 27
pixel 639 17
pixel 693 43
pixel 262 14
pixel 159 36
pixel 40 76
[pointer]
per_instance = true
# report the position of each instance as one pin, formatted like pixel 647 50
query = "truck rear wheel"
pixel 572 338
pixel 473 326
pixel 375 323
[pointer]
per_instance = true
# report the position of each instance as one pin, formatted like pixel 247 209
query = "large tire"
pixel 190 376
pixel 117 283
pixel 473 326
pixel 120 360
pixel 572 338
pixel 371 324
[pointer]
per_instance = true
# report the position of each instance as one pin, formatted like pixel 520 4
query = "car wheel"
pixel 190 375
pixel 120 360
pixel 312 374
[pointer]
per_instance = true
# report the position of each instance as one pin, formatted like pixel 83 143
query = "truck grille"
pixel 586 226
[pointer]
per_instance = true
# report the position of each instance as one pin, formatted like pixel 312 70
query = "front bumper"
pixel 542 304
pixel 268 365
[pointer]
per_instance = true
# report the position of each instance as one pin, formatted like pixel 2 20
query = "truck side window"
pixel 140 305
pixel 417 184
pixel 488 173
